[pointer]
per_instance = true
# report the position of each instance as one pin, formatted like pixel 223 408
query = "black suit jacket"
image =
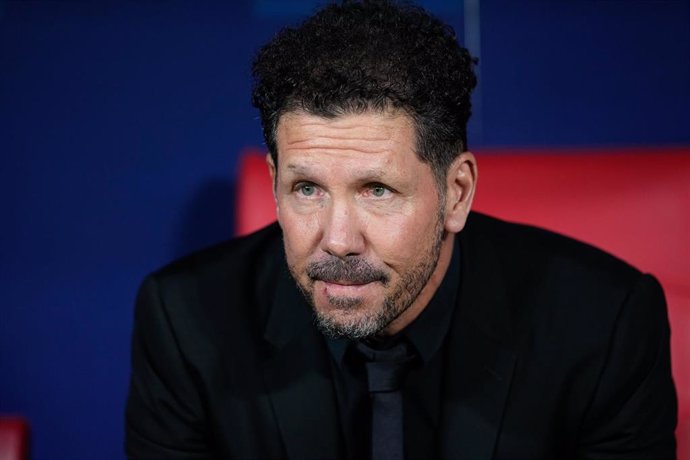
pixel 556 350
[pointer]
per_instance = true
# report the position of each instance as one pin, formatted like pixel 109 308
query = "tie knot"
pixel 386 368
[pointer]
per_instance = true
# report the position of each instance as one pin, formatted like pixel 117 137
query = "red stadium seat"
pixel 634 203
pixel 255 207
pixel 14 438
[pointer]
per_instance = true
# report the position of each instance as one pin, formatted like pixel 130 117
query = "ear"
pixel 461 182
pixel 274 174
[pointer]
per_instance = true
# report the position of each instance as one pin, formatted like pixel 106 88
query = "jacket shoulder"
pixel 525 248
pixel 219 292
pixel 237 255
pixel 553 284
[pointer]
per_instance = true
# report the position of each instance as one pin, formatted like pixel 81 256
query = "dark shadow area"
pixel 208 218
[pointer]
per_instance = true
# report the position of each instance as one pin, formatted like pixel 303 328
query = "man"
pixel 380 318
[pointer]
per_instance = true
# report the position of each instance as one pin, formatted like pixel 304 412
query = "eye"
pixel 378 190
pixel 306 189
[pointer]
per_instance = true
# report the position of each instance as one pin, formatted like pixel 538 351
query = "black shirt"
pixel 422 389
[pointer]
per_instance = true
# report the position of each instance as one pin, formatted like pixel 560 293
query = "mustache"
pixel 352 270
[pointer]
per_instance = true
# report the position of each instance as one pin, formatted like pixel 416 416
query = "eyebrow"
pixel 298 169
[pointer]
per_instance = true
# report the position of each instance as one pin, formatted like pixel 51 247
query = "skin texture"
pixel 368 237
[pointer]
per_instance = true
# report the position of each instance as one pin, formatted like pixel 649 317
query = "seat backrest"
pixel 14 438
pixel 254 205
pixel 634 203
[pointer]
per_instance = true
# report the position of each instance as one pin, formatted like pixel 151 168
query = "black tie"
pixel 386 370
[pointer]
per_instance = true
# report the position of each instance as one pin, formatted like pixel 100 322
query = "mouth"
pixel 346 282
pixel 342 288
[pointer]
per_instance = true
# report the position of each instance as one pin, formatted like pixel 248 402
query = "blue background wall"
pixel 120 128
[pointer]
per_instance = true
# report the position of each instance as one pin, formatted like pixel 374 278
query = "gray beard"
pixel 373 322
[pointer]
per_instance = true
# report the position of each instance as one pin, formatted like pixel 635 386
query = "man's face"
pixel 362 218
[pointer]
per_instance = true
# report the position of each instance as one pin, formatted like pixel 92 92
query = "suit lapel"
pixel 480 365
pixel 476 392
pixel 298 378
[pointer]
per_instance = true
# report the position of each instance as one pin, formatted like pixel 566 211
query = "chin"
pixel 354 322
pixel 356 328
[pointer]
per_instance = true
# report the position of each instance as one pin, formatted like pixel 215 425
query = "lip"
pixel 344 283
pixel 344 289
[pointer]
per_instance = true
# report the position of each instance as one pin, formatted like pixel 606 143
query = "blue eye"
pixel 378 190
pixel 307 189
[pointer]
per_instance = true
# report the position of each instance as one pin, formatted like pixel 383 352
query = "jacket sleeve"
pixel 164 416
pixel 633 412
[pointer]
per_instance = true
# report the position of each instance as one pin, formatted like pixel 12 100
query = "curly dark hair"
pixel 359 56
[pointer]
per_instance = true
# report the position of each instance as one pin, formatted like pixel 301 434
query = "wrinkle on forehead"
pixel 345 133
pixel 353 132
pixel 307 169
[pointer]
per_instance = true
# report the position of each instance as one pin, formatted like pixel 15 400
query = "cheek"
pixel 399 240
pixel 300 235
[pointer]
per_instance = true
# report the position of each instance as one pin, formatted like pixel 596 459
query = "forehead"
pixel 368 134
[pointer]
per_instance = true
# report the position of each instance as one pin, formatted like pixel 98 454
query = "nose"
pixel 342 230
